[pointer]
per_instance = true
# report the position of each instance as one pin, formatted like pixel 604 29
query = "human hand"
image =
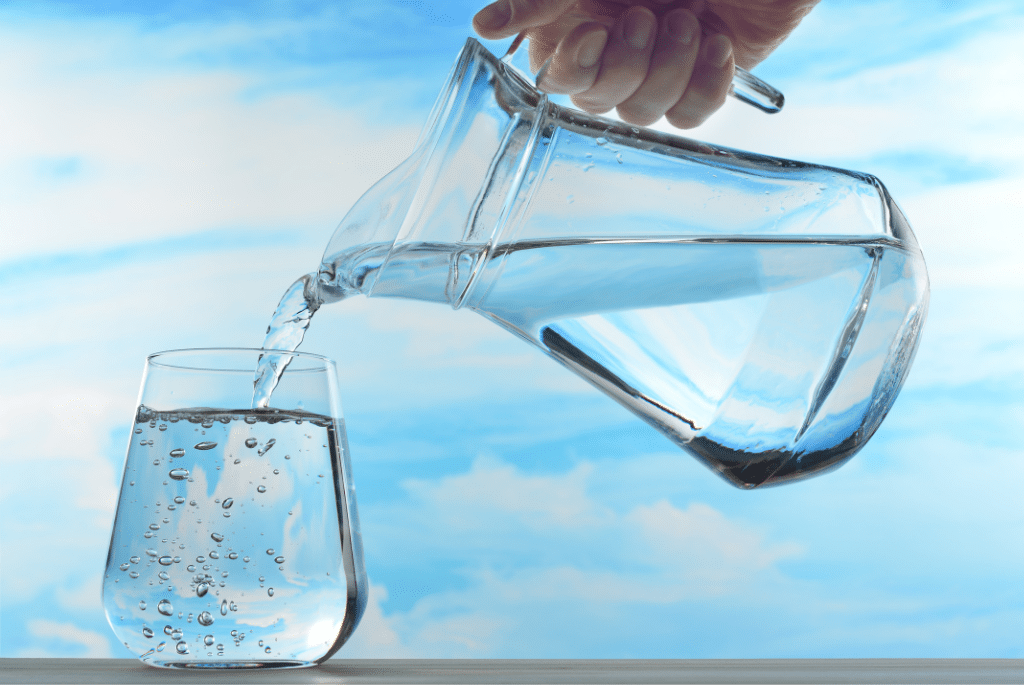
pixel 645 58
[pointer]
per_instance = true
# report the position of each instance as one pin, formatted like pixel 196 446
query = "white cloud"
pixel 84 643
pixel 108 150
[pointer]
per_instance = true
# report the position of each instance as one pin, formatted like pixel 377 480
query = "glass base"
pixel 225 665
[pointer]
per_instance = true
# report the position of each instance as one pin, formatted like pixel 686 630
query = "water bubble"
pixel 190 567
pixel 233 606
pixel 165 607
pixel 262 579
pixel 178 474
pixel 245 559
pixel 250 443
pixel 179 499
pixel 207 423
pixel 276 472
pixel 228 502
pixel 147 631
pixel 279 560
pixel 217 537
pixel 165 561
pixel 601 141
pixel 131 483
pixel 142 604
pixel 214 555
pixel 224 607
pixel 133 574
pixel 202 589
pixel 124 566
pixel 232 555
pixel 270 591
pixel 179 452
pixel 160 647
pixel 181 648
pixel 238 461
pixel 206 445
pixel 168 630
pixel 154 526
pixel 177 560
pixel 152 553
pixel 156 462
pixel 208 640
pixel 200 559
pixel 171 507
pixel 261 488
pixel 135 560
pixel 266 448
pixel 166 520
pixel 270 551
pixel 267 650
pixel 148 534
pixel 223 574
pixel 205 618
pixel 176 634
pixel 287 456
pixel 138 430
pixel 163 575
pixel 163 427
pixel 220 648
pixel 234 633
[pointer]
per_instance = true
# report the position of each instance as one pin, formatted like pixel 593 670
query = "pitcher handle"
pixel 745 86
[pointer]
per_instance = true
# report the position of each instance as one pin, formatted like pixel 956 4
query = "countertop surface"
pixel 457 671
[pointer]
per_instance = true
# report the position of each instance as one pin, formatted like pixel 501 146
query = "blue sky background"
pixel 168 168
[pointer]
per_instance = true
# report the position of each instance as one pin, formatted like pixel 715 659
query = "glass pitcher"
pixel 762 313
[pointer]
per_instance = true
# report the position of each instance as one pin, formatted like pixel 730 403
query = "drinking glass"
pixel 236 540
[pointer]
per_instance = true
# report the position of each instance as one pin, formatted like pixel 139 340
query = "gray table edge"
pixel 536 671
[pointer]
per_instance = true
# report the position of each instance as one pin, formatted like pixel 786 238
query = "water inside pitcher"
pixel 761 313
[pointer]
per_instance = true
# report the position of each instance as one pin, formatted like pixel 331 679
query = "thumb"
pixel 508 17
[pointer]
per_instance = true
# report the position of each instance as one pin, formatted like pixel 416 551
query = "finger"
pixel 672 62
pixel 505 18
pixel 709 84
pixel 624 61
pixel 576 61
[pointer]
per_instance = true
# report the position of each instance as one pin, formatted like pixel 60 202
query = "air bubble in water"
pixel 142 604
pixel 160 647
pixel 163 427
pixel 261 488
pixel 270 551
pixel 133 574
pixel 178 474
pixel 232 555
pixel 208 640
pixel 138 431
pixel 279 560
pixel 233 606
pixel 147 631
pixel 200 559
pixel 179 499
pixel 245 559
pixel 217 537
pixel 228 502
pixel 267 650
pixel 163 575
pixel 165 561
pixel 202 589
pixel 154 526
pixel 205 619
pixel 270 591
pixel 168 630
pixel 152 553
pixel 179 452
pixel 135 560
pixel 165 607
pixel 214 555
pixel 176 633
pixel 206 445
pixel 266 448
pixel 181 648
pixel 251 420
pixel 276 472
pixel 224 607
pixel 124 566
pixel 250 443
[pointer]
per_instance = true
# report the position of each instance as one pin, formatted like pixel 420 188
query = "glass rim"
pixel 320 362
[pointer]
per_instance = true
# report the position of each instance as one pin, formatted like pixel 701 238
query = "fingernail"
pixel 680 27
pixel 638 28
pixel 542 74
pixel 717 50
pixel 494 16
pixel 591 48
